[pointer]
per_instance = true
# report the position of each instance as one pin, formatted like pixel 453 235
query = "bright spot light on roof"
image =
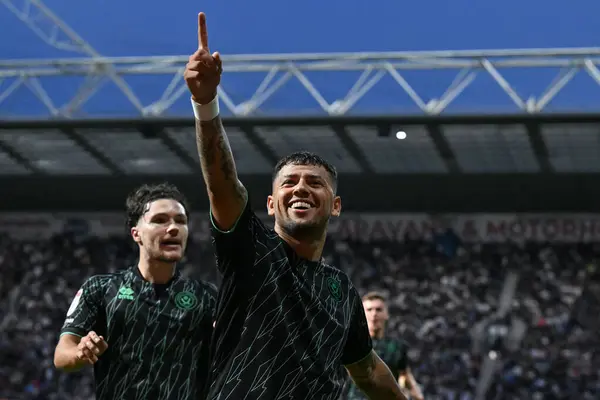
pixel 400 135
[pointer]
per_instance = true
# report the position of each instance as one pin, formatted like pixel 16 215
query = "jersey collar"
pixel 297 261
pixel 136 272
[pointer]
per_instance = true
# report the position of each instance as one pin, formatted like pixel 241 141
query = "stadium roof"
pixel 357 145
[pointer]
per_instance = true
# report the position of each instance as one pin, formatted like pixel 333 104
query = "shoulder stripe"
pixel 71 333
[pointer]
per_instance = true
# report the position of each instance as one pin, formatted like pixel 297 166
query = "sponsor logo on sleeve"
pixel 75 303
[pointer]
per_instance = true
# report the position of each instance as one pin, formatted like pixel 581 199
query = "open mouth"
pixel 172 243
pixel 299 205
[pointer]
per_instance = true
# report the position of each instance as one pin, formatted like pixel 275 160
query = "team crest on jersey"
pixel 74 303
pixel 335 288
pixel 186 300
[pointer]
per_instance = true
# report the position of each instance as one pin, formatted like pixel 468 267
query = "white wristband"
pixel 206 112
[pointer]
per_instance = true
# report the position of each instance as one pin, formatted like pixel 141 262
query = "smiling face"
pixel 303 200
pixel 162 231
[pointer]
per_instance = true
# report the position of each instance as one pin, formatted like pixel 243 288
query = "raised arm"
pixel 226 193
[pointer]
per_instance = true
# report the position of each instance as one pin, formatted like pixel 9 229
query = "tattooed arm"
pixel 226 193
pixel 375 379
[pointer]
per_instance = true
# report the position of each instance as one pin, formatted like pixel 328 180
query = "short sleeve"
pixel 85 309
pixel 358 342
pixel 235 248
pixel 402 363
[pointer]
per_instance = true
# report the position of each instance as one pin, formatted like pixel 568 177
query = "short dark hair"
pixel 375 295
pixel 137 200
pixel 307 158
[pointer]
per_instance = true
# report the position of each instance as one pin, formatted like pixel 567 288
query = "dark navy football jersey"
pixel 157 335
pixel 285 325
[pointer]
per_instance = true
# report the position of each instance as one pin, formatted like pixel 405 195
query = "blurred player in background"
pixel 392 351
pixel 146 330
pixel 286 322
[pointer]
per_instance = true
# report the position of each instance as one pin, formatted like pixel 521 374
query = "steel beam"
pixel 260 144
pixel 49 27
pixel 16 156
pixel 156 131
pixel 443 147
pixel 351 147
pixel 538 145
pixel 280 68
pixel 102 159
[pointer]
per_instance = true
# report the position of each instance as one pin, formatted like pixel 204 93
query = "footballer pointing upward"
pixel 286 321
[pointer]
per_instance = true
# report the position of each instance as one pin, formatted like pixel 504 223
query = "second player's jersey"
pixel 157 335
pixel 285 326
pixel 393 352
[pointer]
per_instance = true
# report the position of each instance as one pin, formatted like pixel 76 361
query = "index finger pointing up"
pixel 202 32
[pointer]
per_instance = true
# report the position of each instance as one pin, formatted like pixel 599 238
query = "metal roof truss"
pixel 280 68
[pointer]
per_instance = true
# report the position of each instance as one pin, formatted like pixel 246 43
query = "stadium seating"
pixel 437 299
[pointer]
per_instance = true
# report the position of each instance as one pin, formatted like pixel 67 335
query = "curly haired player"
pixel 146 329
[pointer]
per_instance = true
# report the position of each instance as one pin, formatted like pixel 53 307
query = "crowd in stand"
pixel 559 357
pixel 438 290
